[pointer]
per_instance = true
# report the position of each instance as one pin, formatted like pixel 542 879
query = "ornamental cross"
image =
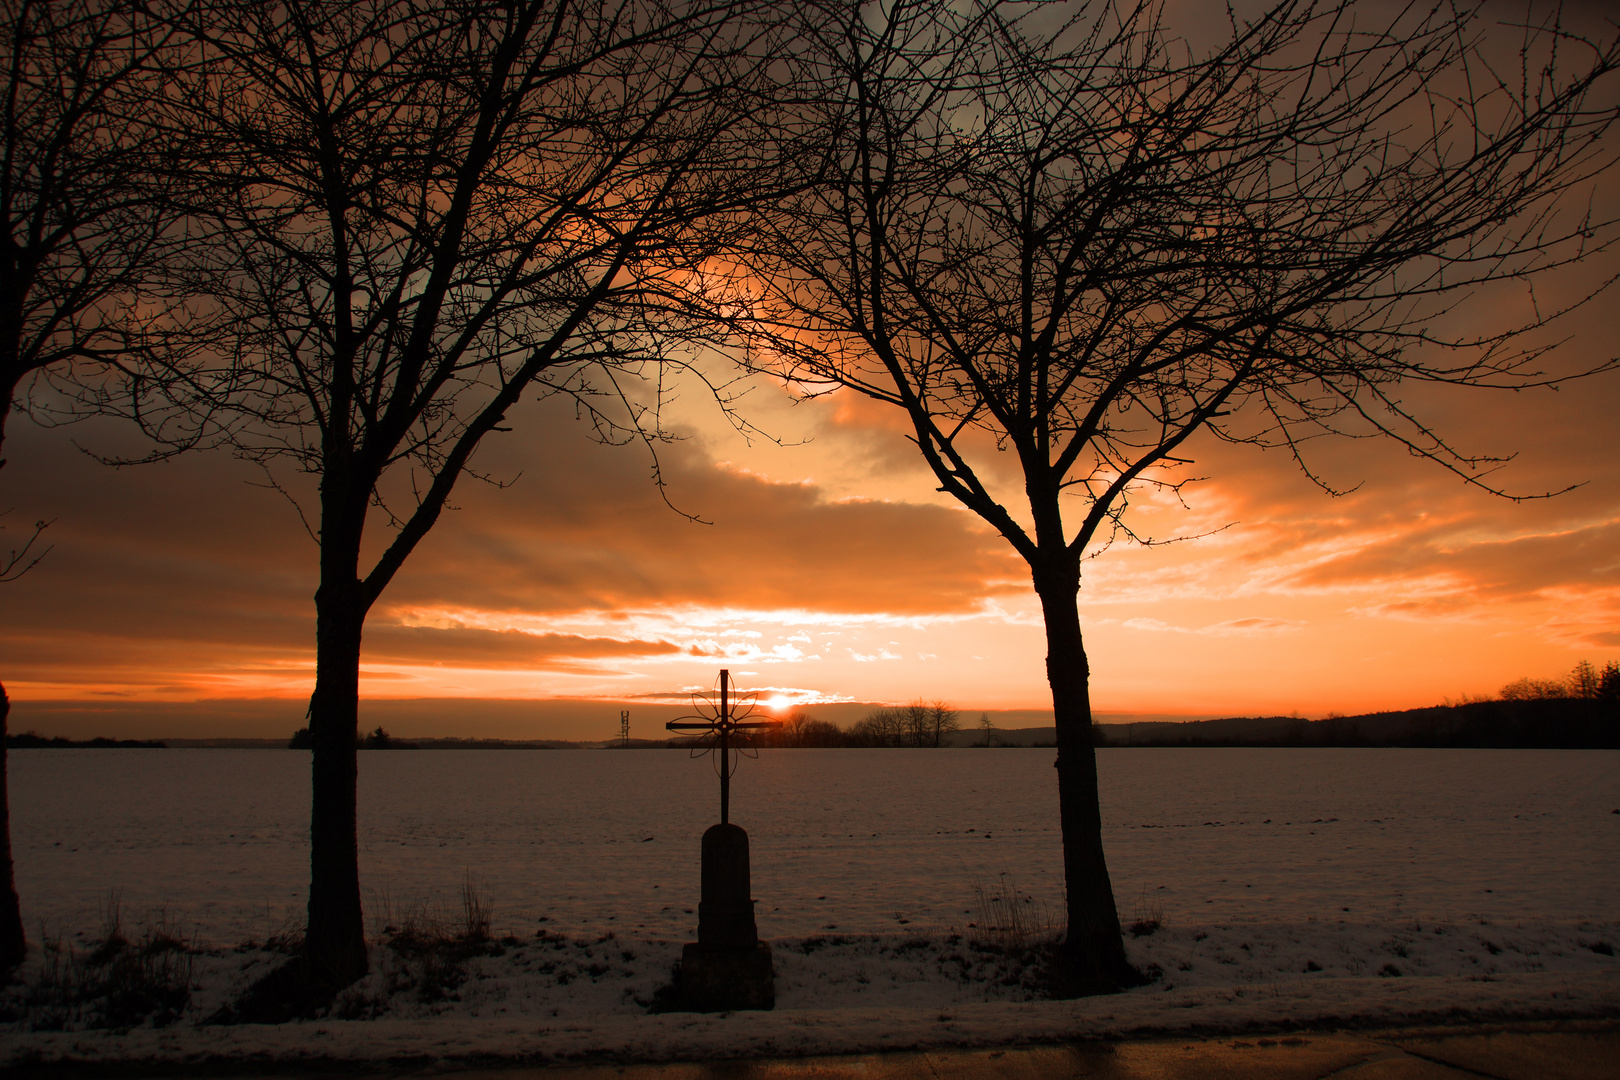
pixel 719 719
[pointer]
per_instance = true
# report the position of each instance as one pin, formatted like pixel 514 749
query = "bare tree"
pixel 85 228
pixel 884 726
pixel 989 734
pixel 1065 251
pixel 943 720
pixel 800 729
pixel 821 734
pixel 913 724
pixel 918 724
pixel 925 723
pixel 416 212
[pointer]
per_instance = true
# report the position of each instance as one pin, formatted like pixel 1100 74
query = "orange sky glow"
pixel 830 571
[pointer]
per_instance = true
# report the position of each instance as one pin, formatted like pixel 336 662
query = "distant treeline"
pixel 920 724
pixel 371 740
pixel 380 739
pixel 1536 723
pixel 33 740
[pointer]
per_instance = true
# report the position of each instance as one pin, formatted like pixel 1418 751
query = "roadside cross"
pixel 723 725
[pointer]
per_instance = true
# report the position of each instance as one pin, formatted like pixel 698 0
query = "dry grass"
pixel 475 911
pixel 1008 918
pixel 430 944
pixel 113 982
pixel 1147 916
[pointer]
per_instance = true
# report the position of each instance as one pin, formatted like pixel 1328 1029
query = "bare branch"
pixel 17 562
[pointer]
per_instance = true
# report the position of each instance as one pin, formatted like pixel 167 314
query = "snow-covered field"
pixel 1290 886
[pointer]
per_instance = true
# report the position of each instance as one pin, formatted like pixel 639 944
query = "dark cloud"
pixel 467 647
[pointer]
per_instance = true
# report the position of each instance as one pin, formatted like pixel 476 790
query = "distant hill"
pixel 1556 723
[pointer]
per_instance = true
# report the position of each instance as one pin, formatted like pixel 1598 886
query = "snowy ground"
pixel 1291 886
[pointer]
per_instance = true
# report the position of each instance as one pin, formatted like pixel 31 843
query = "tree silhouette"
pixel 927 723
pixel 1583 680
pixel 884 726
pixel 410 215
pixel 1609 682
pixel 989 734
pixel 1065 251
pixel 86 228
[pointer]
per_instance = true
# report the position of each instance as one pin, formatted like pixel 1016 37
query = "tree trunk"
pixel 13 945
pixel 1093 948
pixel 335 944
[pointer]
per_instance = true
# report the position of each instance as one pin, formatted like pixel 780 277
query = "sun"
pixel 777 702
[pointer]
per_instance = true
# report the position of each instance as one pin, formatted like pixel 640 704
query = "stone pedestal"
pixel 729 980
pixel 727 967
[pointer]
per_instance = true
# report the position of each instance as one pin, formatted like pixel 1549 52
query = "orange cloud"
pixel 598 538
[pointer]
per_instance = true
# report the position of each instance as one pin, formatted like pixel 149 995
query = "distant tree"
pixel 822 734
pixel 799 729
pixel 85 227
pixel 1609 682
pixel 788 733
pixel 1534 690
pixel 300 740
pixel 913 724
pixel 880 727
pixel 927 724
pixel 1583 680
pixel 989 734
pixel 1064 249
pixel 414 214
pixel 917 724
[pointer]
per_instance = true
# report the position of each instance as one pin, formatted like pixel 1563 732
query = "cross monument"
pixel 727 967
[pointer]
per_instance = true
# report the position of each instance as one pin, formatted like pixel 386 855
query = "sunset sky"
pixel 832 572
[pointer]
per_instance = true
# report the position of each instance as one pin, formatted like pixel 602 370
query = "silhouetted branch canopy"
pixel 406 215
pixel 1087 242
pixel 83 194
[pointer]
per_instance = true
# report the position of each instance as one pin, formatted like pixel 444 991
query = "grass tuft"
pixel 114 982
pixel 432 948
pixel 1146 916
pixel 1008 918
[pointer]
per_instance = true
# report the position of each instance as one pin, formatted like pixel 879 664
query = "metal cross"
pixel 719 720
